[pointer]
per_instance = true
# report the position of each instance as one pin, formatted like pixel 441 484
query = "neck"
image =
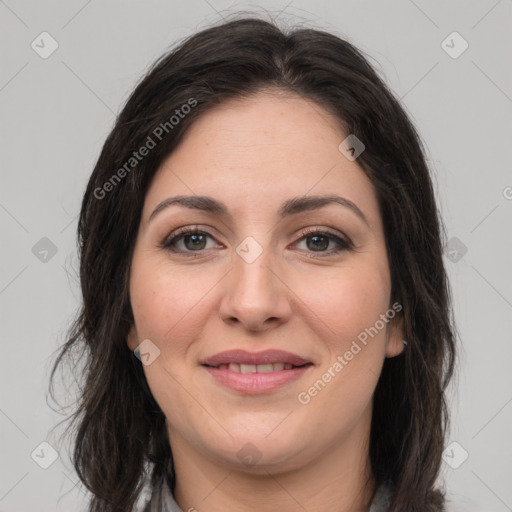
pixel 339 479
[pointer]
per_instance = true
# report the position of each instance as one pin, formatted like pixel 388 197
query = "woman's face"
pixel 249 280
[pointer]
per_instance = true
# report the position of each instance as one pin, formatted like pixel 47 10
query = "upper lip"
pixel 264 357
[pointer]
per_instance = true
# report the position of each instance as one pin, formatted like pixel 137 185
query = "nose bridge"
pixel 254 292
pixel 253 276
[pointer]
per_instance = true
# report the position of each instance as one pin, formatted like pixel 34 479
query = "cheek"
pixel 354 335
pixel 164 300
pixel 168 307
pixel 350 302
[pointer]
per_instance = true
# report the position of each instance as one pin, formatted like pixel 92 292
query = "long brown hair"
pixel 121 441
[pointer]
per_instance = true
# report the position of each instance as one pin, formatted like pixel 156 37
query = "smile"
pixel 256 368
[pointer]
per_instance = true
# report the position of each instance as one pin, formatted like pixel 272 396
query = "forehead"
pixel 254 153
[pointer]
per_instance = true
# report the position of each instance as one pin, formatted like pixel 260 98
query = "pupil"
pixel 196 238
pixel 321 246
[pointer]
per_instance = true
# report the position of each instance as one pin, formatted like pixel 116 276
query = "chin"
pixel 257 452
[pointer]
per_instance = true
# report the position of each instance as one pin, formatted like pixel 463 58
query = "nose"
pixel 255 295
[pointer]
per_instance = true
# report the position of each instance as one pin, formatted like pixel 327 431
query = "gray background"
pixel 56 112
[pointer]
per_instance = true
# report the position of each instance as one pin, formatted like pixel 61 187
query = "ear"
pixel 395 345
pixel 132 338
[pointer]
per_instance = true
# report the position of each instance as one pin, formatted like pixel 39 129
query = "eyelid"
pixel 344 243
pixel 325 231
pixel 183 231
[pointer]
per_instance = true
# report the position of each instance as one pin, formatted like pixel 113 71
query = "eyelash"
pixel 170 241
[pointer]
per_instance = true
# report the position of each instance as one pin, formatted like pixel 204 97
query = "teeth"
pixel 265 368
pixel 248 368
pixel 255 368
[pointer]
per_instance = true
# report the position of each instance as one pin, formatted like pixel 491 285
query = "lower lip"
pixel 256 383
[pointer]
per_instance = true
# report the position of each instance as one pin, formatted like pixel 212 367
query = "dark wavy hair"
pixel 121 442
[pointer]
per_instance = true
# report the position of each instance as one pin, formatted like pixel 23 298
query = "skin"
pixel 252 155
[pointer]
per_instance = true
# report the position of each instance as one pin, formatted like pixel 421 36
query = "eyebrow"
pixel 290 207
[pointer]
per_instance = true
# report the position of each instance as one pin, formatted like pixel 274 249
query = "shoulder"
pixel 152 501
pixel 454 502
pixel 380 501
pixel 161 500
pixel 149 504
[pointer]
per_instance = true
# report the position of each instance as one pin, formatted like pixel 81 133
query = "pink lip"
pixel 256 383
pixel 264 357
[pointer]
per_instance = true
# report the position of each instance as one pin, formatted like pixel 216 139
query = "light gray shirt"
pixel 162 500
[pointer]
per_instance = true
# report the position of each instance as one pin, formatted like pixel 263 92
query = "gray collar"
pixel 162 500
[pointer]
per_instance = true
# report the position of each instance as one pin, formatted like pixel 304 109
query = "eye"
pixel 191 240
pixel 317 241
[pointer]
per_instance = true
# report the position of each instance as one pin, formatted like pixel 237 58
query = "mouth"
pixel 247 360
pixel 255 372
pixel 257 368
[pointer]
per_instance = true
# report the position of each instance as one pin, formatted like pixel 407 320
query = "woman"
pixel 266 311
